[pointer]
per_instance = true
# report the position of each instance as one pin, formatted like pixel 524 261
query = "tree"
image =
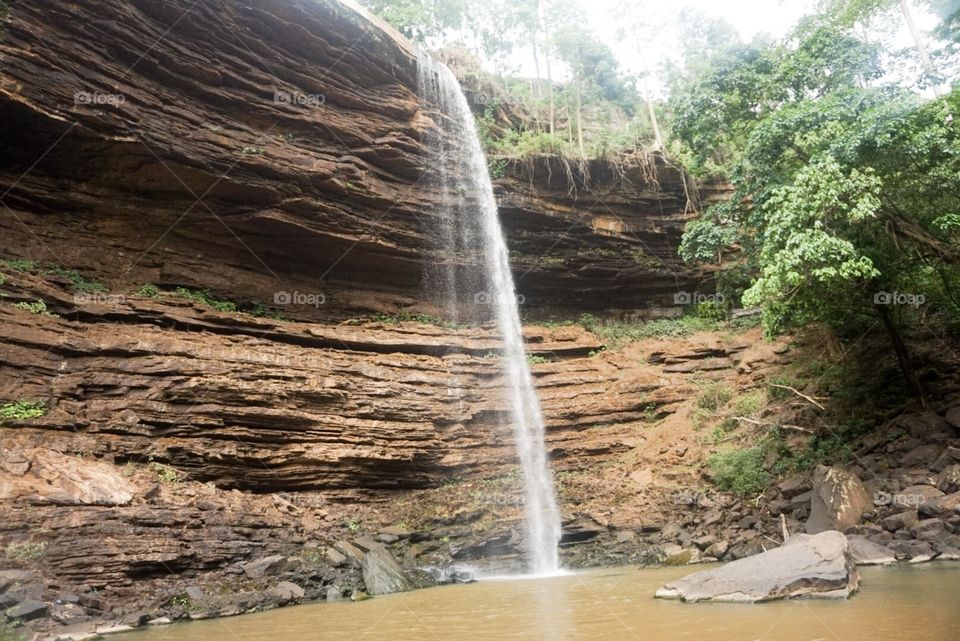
pixel 848 190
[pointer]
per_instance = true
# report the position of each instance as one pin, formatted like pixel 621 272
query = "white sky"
pixel 749 17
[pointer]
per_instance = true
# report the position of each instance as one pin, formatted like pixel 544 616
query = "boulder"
pixel 928 529
pixel 336 558
pixel 866 552
pixel 818 566
pixel 794 486
pixel 381 574
pixel 900 521
pixel 839 500
pixel 718 549
pixel 285 591
pixel 948 481
pixel 28 610
pixel 942 505
pixel 262 567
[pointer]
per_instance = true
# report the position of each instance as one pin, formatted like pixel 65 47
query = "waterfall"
pixel 469 225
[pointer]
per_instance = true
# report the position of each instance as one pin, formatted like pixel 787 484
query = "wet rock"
pixel 912 551
pixel 334 593
pixel 839 500
pixel 866 552
pixel 805 566
pixel 286 592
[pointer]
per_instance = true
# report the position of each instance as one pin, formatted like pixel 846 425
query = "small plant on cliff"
pixel 79 283
pixel 22 410
pixel 739 471
pixel 259 151
pixel 205 297
pixel 148 291
pixel 353 525
pixel 26 551
pixel 36 307
pixel 165 473
pixel 533 359
pixel 22 265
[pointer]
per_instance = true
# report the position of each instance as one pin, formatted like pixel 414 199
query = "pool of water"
pixel 899 603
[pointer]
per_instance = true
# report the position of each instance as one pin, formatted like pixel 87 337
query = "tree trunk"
pixel 657 136
pixel 923 53
pixel 903 355
pixel 576 85
pixel 546 59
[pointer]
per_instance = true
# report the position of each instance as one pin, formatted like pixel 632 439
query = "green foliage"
pixel 148 291
pixel 713 396
pixel 165 473
pixel 354 525
pixel 206 298
pixel 36 307
pixel 739 470
pixel 618 334
pixel 79 283
pixel 423 319
pixel 22 410
pixel 846 186
pixel 533 359
pixel 10 630
pixel 22 265
pixel 26 551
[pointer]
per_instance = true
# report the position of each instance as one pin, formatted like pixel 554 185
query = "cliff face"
pixel 276 146
pixel 257 150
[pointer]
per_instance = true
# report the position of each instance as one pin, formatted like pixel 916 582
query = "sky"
pixel 750 18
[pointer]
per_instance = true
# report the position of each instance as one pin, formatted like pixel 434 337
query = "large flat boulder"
pixel 812 566
pixel 839 500
pixel 382 574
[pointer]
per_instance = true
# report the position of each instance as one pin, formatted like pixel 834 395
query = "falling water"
pixel 470 222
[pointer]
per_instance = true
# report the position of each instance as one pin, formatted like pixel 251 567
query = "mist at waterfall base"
pixel 470 235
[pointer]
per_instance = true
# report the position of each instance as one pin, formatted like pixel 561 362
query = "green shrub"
pixel 206 298
pixel 165 473
pixel 739 471
pixel 713 396
pixel 80 284
pixel 711 310
pixel 22 410
pixel 36 307
pixel 22 265
pixel 148 291
pixel 25 552
pixel 533 359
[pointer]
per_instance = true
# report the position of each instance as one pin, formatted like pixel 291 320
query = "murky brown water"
pixel 918 603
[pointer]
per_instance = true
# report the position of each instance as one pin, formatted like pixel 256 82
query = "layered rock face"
pixel 600 235
pixel 277 146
